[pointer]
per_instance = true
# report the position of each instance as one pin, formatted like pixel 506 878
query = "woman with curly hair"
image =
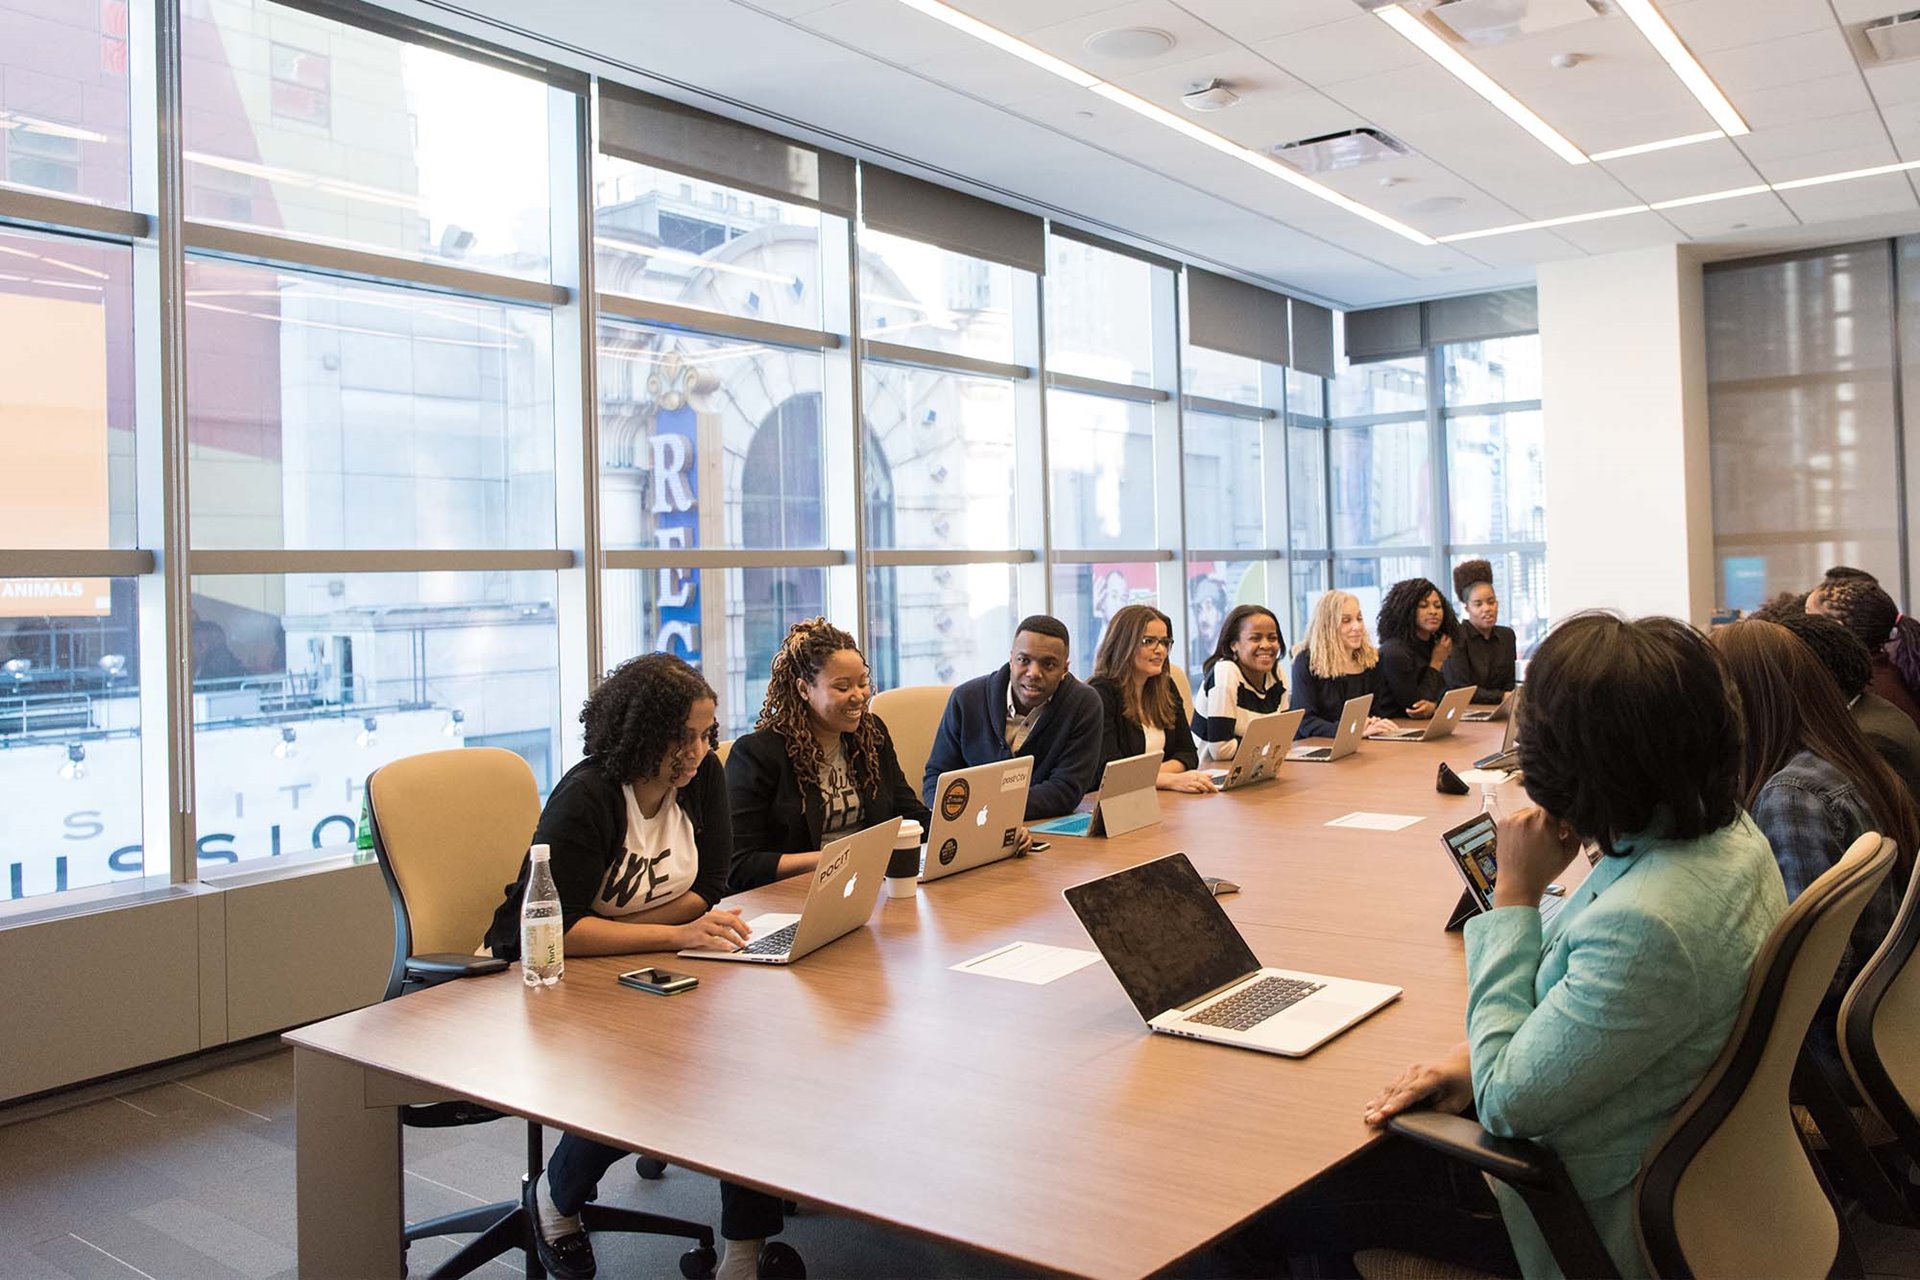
pixel 1416 628
pixel 1143 709
pixel 818 764
pixel 1484 652
pixel 1893 640
pixel 641 838
pixel 1333 665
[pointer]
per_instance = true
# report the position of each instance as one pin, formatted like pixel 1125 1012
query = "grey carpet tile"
pixel 219 1237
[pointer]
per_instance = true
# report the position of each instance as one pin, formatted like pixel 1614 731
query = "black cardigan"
pixel 1487 662
pixel 773 814
pixel 1121 737
pixel 585 826
pixel 1325 697
pixel 1407 676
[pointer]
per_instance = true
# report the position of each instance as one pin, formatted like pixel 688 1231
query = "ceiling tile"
pixel 1521 249
pixel 1804 137
pixel 1728 217
pixel 1711 25
pixel 1889 193
pixel 1833 160
pixel 1616 235
pixel 1245 72
pixel 1192 37
pixel 1251 20
pixel 1019 16
pixel 1895 84
pixel 1340 51
pixel 1809 100
pixel 1851 11
pixel 1684 171
pixel 887 30
pixel 1770 64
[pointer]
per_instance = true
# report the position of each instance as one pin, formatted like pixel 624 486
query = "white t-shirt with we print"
pixel 657 865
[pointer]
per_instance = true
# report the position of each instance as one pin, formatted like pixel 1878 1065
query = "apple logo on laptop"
pixel 980 818
pixel 852 880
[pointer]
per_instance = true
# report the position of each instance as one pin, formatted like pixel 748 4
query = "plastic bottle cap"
pixel 540 852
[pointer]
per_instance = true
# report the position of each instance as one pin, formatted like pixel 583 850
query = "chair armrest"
pixel 449 965
pixel 1515 1161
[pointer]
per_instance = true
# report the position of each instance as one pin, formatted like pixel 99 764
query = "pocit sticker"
pixel 948 852
pixel 953 801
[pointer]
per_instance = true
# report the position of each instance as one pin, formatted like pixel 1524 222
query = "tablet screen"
pixel 1471 846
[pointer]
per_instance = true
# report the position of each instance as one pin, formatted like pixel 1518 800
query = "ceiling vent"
pixel 1486 22
pixel 1896 37
pixel 1331 152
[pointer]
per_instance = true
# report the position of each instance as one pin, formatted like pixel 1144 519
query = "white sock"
pixel 553 1223
pixel 740 1261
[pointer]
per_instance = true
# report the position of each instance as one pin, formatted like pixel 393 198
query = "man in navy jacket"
pixel 1031 707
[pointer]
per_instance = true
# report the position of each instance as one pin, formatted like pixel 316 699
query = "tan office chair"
pixel 724 750
pixel 1184 684
pixel 1880 1045
pixel 912 716
pixel 1729 1189
pixel 450 831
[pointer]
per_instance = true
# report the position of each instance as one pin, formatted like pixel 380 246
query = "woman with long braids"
pixel 1893 640
pixel 1416 630
pixel 818 764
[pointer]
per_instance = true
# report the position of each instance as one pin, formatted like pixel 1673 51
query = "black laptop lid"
pixel 1162 932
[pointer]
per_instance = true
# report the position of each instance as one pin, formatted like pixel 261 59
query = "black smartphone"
pixel 661 982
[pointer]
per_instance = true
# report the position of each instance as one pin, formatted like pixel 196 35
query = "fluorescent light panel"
pixel 1431 43
pixel 1001 40
pixel 1731 193
pixel 1669 46
pixel 1685 140
pixel 1544 223
pixel 1848 176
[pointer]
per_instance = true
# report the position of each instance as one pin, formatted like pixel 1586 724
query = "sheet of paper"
pixel 1375 821
pixel 1034 962
pixel 1481 777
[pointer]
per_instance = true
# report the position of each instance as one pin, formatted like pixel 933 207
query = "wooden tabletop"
pixel 1038 1123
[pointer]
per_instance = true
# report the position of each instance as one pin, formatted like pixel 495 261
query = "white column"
pixel 1624 394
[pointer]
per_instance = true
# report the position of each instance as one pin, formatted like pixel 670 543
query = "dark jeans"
pixel 575 1170
pixel 1393 1195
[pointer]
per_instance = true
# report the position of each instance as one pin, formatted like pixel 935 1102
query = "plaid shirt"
pixel 1811 813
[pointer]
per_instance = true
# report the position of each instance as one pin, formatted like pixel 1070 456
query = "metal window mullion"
pixel 848 578
pixel 924 558
pixel 1111 390
pixel 1442 527
pixel 714 324
pixel 1117 555
pixel 579 597
pixel 1032 486
pixel 216 563
pixel 1227 408
pixel 32 562
pixel 366 265
pixel 726 558
pixel 1492 408
pixel 1276 493
pixel 32 211
pixel 938 361
pixel 1898 389
pixel 1167 326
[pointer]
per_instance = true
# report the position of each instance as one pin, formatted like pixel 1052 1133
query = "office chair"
pixel 450 828
pixel 912 716
pixel 1734 1142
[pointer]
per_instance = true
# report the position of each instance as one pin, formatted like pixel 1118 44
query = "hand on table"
pixel 721 929
pixel 1443 1085
pixel 1376 725
pixel 1421 710
pixel 1191 781
pixel 1533 847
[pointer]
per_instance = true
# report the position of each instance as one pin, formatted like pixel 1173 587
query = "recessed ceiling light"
pixel 1669 46
pixel 1435 46
pixel 1129 42
pixel 1685 140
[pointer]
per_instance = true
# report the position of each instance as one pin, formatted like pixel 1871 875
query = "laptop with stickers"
pixel 1262 749
pixel 840 898
pixel 977 814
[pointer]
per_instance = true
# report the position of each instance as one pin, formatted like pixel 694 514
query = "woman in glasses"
pixel 1144 709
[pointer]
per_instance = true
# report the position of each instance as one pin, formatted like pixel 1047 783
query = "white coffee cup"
pixel 906 851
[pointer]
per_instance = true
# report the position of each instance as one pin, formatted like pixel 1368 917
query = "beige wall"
pixel 1624 390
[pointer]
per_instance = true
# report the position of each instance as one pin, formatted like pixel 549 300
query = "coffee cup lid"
pixel 909 827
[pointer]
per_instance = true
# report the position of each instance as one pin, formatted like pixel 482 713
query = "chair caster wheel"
pixel 650 1169
pixel 698 1262
pixel 781 1262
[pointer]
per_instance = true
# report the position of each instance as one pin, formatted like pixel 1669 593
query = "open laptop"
pixel 1126 801
pixel 1508 756
pixel 977 814
pixel 1353 719
pixel 1470 847
pixel 1446 717
pixel 1500 711
pixel 1190 973
pixel 845 886
pixel 1263 747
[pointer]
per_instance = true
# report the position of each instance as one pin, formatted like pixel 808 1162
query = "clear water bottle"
pixel 1490 800
pixel 542 956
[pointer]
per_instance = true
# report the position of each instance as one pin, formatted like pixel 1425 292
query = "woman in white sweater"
pixel 1242 681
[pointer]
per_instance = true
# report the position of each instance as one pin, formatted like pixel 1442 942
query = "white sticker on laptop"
pixel 1014 779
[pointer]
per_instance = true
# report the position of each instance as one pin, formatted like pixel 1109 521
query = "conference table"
pixel 1037 1123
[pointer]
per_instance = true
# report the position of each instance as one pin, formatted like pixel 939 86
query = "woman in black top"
pixel 1335 664
pixel 640 839
pixel 1416 628
pixel 1143 709
pixel 819 764
pixel 1484 651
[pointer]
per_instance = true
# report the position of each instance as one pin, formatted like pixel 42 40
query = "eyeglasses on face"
pixel 1156 642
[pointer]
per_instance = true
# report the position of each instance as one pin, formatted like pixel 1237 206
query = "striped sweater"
pixel 1226 703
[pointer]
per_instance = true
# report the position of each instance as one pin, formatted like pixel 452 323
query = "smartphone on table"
pixel 661 982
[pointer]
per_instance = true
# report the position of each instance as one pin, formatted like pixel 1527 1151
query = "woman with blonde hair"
pixel 1143 707
pixel 1336 662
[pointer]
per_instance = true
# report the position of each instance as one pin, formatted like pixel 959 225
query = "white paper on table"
pixel 1034 962
pixel 1485 777
pixel 1375 821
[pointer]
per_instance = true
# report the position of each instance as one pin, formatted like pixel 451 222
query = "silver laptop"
pixel 1126 801
pixel 1190 973
pixel 1471 848
pixel 1353 720
pixel 1446 718
pixel 1263 747
pixel 845 886
pixel 1508 756
pixel 1498 712
pixel 977 815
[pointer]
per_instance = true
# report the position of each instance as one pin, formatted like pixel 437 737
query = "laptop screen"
pixel 1162 933
pixel 1471 846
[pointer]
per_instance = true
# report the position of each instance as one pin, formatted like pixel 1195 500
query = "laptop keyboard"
pixel 1311 753
pixel 1244 1010
pixel 779 942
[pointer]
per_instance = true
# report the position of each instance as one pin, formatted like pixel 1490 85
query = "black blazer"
pixel 1487 662
pixel 1407 676
pixel 1121 737
pixel 1323 699
pixel 774 814
pixel 584 824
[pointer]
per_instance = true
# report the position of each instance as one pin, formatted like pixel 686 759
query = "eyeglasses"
pixel 1156 642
